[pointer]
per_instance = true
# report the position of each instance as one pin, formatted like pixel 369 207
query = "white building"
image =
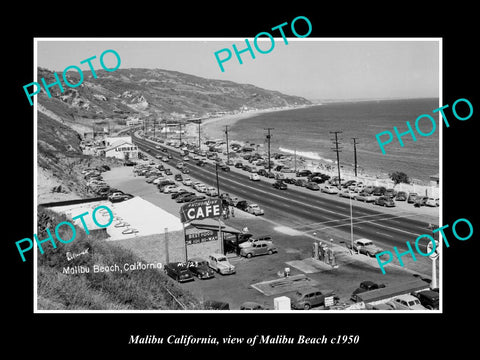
pixel 122 149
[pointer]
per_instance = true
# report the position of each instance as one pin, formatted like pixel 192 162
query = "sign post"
pixel 202 209
pixel 433 257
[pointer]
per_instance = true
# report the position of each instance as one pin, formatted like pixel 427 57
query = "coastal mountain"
pixel 108 101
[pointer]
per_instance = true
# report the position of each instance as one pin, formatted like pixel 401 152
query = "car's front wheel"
pixel 270 252
pixel 306 306
pixel 249 255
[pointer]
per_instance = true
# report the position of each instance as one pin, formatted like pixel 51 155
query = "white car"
pixel 157 180
pixel 167 189
pixel 202 188
pixel 211 191
pixel 254 177
pixel 254 209
pixel 365 246
pixel 196 184
pixel 329 189
pixel 187 181
pixel 431 202
pixel 407 302
pixel 220 264
pixel 347 193
pixel 186 158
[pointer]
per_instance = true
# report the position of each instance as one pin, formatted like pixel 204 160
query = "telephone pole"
pixel 199 122
pixel 355 154
pixel 180 125
pixel 228 151
pixel 269 136
pixel 337 150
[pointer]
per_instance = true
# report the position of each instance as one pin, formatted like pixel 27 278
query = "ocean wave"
pixel 306 154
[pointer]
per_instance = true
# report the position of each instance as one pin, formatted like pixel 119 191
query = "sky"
pixel 314 68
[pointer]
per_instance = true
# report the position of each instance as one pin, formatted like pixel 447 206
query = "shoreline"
pixel 214 129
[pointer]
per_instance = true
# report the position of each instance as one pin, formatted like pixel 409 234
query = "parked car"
pixel 431 202
pixel 185 170
pixel 225 167
pixel 312 186
pixel 365 197
pixel 238 165
pixel 307 298
pixel 116 197
pixel 254 209
pixel 365 246
pixel 130 231
pixel 411 197
pixel 196 198
pixel 301 182
pixel 211 191
pixel 379 190
pixel 390 193
pixel 215 305
pixel 246 240
pixel 178 271
pixel 242 205
pixel 251 305
pixel 169 188
pixel 185 197
pixel 180 192
pixel 187 181
pixel 420 201
pixel 220 264
pixel 199 268
pixel 262 172
pixel 385 201
pixel 168 172
pixel 280 185
pixel 407 302
pixel 178 177
pixel 401 196
pixel 258 248
pixel 347 193
pixel 329 189
pixel 302 173
pixel 365 286
pixel 254 177
pixel 429 298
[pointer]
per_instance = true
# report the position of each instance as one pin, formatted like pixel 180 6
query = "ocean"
pixel 306 131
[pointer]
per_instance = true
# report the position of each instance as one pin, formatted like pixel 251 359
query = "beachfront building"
pixel 122 149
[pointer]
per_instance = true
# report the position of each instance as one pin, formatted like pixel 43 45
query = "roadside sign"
pixel 328 300
pixel 201 209
pixel 429 249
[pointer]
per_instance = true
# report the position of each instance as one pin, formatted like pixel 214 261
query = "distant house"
pixel 122 149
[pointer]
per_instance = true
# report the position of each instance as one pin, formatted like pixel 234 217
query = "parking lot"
pixel 253 275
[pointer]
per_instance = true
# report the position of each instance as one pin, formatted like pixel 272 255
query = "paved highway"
pixel 308 212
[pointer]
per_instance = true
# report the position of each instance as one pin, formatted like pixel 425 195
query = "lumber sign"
pixel 201 209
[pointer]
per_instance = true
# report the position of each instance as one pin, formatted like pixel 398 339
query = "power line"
pixel 228 152
pixel 337 150
pixel 355 154
pixel 269 137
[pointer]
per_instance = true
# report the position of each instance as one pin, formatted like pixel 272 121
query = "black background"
pixel 380 334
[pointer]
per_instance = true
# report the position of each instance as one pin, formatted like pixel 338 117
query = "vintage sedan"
pixel 178 271
pixel 366 247
pixel 254 209
pixel 365 197
pixel 220 264
pixel 199 268
pixel 258 248
pixel 307 298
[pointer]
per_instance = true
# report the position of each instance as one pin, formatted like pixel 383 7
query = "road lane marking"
pixel 344 217
pixel 382 233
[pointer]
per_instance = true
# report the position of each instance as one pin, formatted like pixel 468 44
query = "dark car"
pixel 199 268
pixel 168 172
pixel 401 196
pixel 178 271
pixel 185 197
pixel 225 167
pixel 312 186
pixel 251 305
pixel 262 172
pixel 238 165
pixel 365 286
pixel 411 197
pixel 215 305
pixel 180 192
pixel 317 179
pixel 280 185
pixel 178 177
pixel 301 173
pixel 385 201
pixel 301 182
pixel 289 181
pixel 390 193
pixel 197 197
pixel 429 299
pixel 242 205
pixel 200 163
pixel 379 191
pixel 420 201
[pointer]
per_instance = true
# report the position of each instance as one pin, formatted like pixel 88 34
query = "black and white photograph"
pixel 241 181
pixel 262 187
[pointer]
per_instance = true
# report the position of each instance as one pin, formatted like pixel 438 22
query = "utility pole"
pixel 199 122
pixel 228 151
pixel 180 124
pixel 153 127
pixel 268 139
pixel 337 150
pixel 355 154
pixel 165 129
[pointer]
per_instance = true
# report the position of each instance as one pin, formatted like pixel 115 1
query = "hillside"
pixel 108 101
